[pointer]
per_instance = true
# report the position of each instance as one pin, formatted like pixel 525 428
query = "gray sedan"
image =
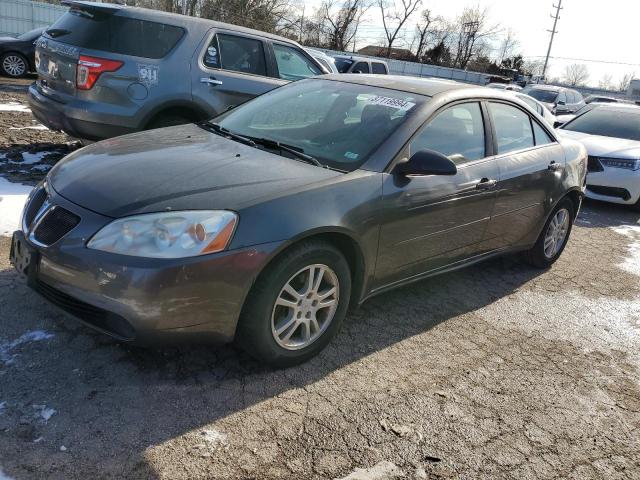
pixel 267 223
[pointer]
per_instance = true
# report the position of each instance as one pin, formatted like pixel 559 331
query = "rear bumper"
pixel 615 185
pixel 72 120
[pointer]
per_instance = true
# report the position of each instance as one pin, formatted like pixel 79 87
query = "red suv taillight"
pixel 90 68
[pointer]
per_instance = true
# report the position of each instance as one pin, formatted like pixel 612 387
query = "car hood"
pixel 178 168
pixel 601 146
pixel 7 39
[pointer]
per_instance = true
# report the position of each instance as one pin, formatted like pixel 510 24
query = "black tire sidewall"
pixel 24 60
pixel 254 331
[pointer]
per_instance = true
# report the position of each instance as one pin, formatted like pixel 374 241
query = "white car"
pixel 325 60
pixel 538 107
pixel 512 87
pixel 611 134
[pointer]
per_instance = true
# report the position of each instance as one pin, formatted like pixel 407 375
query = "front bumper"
pixel 74 120
pixel 616 185
pixel 146 301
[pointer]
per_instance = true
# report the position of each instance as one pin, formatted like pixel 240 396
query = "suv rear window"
pixel 115 34
pixel 378 68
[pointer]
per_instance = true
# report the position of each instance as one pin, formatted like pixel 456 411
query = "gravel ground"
pixel 495 371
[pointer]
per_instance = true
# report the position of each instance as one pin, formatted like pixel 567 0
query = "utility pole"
pixel 553 31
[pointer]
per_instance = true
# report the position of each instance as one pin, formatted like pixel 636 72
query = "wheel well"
pixel 189 113
pixel 575 198
pixel 352 254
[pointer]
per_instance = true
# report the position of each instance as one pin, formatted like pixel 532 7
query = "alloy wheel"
pixel 305 307
pixel 14 65
pixel 556 233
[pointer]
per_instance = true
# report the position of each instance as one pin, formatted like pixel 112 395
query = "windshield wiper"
pixel 220 130
pixel 266 142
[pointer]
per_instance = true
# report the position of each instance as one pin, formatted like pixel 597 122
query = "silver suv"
pixel 106 70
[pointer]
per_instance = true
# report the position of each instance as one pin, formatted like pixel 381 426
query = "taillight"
pixel 90 68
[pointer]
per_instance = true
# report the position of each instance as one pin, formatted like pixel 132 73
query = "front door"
pixel 432 221
pixel 231 69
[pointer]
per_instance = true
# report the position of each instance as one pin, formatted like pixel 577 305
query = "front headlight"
pixel 629 164
pixel 167 234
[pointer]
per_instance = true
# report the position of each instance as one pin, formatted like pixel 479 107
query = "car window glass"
pixel 241 54
pixel 562 97
pixel 608 122
pixel 546 96
pixel 377 67
pixel 340 124
pixel 212 54
pixel 343 64
pixel 540 135
pixel 578 97
pixel 292 64
pixel 513 128
pixel 361 67
pixel 457 132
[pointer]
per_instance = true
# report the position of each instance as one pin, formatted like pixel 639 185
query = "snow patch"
pixel 8 358
pixel 631 264
pixel 383 470
pixel 4 476
pixel 33 127
pixel 213 436
pixel 12 199
pixel 44 412
pixel 14 107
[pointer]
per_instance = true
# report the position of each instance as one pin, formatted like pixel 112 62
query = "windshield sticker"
pixel 391 102
pixel 148 74
pixel 351 155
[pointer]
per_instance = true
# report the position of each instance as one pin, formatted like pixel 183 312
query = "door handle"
pixel 554 167
pixel 486 184
pixel 210 81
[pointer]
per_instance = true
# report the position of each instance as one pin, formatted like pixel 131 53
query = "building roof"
pixel 377 50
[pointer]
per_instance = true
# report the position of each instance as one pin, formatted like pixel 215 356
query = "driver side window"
pixel 457 132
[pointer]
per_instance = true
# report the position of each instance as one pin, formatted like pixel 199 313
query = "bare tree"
pixel 341 22
pixel 575 74
pixel 422 29
pixel 534 67
pixel 625 81
pixel 508 46
pixel 472 30
pixel 606 82
pixel 395 17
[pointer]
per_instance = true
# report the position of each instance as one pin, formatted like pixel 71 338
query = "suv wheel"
pixel 553 237
pixel 13 65
pixel 168 121
pixel 297 305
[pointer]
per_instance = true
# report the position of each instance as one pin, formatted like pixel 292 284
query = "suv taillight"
pixel 90 68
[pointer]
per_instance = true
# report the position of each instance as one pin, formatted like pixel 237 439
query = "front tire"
pixel 554 236
pixel 14 65
pixel 297 305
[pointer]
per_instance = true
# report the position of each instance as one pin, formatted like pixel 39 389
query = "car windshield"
pixel 608 123
pixel 343 64
pixel 339 124
pixel 547 96
pixel 31 34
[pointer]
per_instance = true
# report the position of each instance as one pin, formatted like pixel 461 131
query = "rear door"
pixel 231 69
pixel 531 164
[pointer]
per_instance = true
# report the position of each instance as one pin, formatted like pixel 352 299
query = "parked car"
pixel 328 62
pixel 538 107
pixel 17 54
pixel 611 134
pixel 601 99
pixel 268 222
pixel 558 100
pixel 505 86
pixel 106 70
pixel 354 64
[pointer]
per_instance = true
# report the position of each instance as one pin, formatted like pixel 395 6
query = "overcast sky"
pixel 587 29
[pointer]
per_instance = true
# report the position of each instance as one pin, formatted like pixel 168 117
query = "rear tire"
pixel 554 236
pixel 290 315
pixel 14 65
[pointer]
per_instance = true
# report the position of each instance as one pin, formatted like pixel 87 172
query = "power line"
pixel 609 62
pixel 553 32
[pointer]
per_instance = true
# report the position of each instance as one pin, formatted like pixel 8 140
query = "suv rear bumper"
pixel 61 116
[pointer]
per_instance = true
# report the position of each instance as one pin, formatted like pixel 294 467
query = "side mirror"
pixel 561 102
pixel 557 124
pixel 427 162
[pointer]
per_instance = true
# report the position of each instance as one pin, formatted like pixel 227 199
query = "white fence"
pixel 19 16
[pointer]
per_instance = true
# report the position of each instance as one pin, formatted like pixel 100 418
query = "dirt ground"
pixel 495 371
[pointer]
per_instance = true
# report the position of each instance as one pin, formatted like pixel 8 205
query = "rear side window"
pixel 578 97
pixel 513 128
pixel 116 34
pixel 240 54
pixel 540 135
pixel 457 132
pixel 361 67
pixel 292 64
pixel 378 68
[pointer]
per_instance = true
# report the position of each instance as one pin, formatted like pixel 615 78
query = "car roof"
pixel 616 107
pixel 170 18
pixel 421 86
pixel 359 58
pixel 552 88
